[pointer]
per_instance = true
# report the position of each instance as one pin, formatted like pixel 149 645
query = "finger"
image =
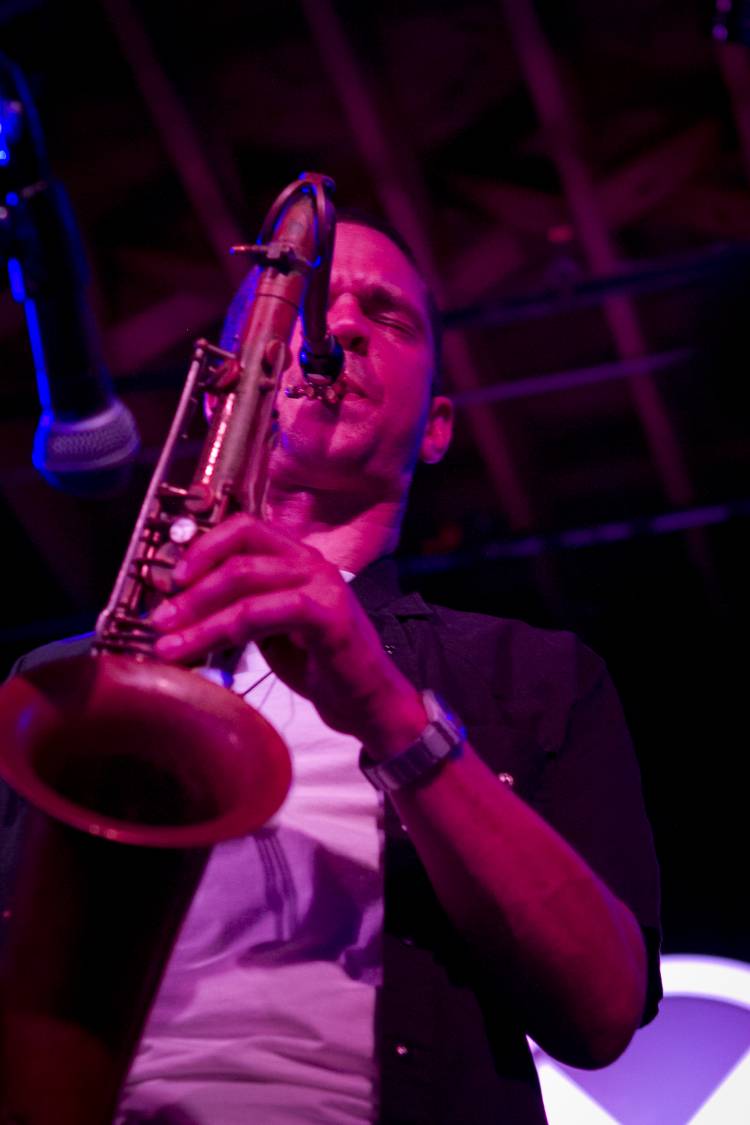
pixel 236 578
pixel 251 619
pixel 240 534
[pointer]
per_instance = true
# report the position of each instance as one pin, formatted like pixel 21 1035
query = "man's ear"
pixel 438 430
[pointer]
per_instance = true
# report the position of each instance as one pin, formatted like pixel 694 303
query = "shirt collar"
pixel 378 588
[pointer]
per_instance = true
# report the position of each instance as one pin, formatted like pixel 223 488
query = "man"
pixel 520 889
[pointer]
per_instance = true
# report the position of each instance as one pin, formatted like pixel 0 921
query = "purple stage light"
pixel 691 1066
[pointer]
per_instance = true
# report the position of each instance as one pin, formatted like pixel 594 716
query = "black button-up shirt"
pixel 541 710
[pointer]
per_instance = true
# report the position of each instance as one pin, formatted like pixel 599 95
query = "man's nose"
pixel 349 324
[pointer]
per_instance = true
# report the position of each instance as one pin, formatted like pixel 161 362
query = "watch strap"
pixel 444 735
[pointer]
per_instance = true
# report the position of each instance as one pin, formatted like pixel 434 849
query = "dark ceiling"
pixel 574 180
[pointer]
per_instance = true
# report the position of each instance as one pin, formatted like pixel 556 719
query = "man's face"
pixel 371 439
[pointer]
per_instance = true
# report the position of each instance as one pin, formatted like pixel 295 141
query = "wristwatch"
pixel 444 735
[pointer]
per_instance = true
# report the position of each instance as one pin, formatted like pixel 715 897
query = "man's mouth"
pixel 350 383
pixel 360 380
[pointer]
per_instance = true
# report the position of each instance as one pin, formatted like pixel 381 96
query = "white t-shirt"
pixel 266 1011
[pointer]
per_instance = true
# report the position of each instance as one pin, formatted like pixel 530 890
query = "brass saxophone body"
pixel 131 769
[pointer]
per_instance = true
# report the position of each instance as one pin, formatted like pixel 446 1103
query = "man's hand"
pixel 247 581
pixel 571 951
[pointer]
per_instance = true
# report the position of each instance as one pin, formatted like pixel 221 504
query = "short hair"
pixel 354 217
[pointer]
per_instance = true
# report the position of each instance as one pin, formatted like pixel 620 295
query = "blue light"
pixel 4 157
pixel 37 350
pixel 12 199
pixel 18 289
pixel 11 122
pixel 15 274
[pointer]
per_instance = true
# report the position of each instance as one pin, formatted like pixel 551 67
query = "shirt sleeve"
pixel 592 795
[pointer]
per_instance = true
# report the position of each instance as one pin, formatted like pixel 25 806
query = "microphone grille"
pixel 70 454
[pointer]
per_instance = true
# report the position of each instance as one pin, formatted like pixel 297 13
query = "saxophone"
pixel 132 769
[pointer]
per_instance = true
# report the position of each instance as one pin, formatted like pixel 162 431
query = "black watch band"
pixel 444 735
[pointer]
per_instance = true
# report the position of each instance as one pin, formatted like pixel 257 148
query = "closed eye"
pixel 399 323
pixel 383 306
pixel 384 310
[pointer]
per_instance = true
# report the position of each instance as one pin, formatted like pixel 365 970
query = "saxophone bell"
pixel 132 769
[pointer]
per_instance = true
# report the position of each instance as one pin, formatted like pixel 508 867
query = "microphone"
pixel 87 439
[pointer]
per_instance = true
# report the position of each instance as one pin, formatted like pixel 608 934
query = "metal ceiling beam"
pixel 720 212
pixel 480 265
pixel 734 65
pixel 179 319
pixel 389 176
pixel 556 116
pixel 576 538
pixel 180 138
pixel 169 270
pixel 658 173
pixel 557 382
pixel 656 275
pixel 516 208
pixel 639 186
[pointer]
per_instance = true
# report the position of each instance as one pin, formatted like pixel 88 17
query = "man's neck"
pixel 348 532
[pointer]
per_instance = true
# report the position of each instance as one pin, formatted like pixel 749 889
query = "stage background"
pixel 576 177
